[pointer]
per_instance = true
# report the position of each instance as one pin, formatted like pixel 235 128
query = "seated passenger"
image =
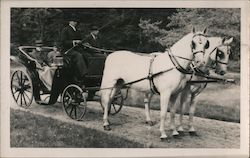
pixel 51 56
pixel 38 53
pixel 44 63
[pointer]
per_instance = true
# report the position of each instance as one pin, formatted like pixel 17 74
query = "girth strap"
pixel 151 77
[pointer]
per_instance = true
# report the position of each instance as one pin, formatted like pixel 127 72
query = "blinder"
pixel 207 44
pixel 218 55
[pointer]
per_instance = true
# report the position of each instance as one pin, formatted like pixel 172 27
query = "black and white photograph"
pixel 124 78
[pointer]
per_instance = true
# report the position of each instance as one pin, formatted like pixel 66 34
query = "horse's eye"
pixel 220 54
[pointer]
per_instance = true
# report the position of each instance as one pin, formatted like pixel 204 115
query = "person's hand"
pixel 95 32
pixel 76 42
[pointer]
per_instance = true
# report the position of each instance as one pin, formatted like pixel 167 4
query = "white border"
pixel 6 151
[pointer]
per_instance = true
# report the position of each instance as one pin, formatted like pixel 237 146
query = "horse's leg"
pixel 174 103
pixel 105 99
pixel 165 96
pixel 183 104
pixel 147 100
pixel 191 115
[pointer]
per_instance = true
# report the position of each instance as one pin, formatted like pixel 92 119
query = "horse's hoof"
pixel 164 139
pixel 193 133
pixel 150 123
pixel 176 134
pixel 107 128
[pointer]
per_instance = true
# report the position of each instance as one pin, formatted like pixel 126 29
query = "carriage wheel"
pixel 21 88
pixel 116 104
pixel 74 102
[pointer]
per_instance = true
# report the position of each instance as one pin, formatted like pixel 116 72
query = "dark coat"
pixel 67 37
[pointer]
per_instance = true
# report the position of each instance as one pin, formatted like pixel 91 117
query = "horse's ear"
pixel 228 41
pixel 205 31
pixel 223 39
pixel 193 29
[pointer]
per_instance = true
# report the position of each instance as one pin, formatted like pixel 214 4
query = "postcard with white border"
pixel 124 78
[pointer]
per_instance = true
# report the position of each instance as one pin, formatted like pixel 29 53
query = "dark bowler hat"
pixel 72 17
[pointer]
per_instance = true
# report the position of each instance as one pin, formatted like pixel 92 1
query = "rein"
pixel 177 64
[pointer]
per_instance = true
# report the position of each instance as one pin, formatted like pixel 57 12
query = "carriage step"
pixel 40 102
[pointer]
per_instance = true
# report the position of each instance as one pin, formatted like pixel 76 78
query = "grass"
pixel 29 130
pixel 218 112
pixel 234 65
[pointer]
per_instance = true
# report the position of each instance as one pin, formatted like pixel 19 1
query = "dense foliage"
pixel 143 30
pixel 220 22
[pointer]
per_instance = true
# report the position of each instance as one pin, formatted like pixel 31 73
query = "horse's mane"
pixel 214 42
pixel 183 46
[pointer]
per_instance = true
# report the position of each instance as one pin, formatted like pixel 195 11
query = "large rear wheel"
pixel 74 102
pixel 21 88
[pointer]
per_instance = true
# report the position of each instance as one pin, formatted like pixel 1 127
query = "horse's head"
pixel 223 52
pixel 198 46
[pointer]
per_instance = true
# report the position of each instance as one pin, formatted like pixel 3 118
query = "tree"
pixel 30 24
pixel 220 22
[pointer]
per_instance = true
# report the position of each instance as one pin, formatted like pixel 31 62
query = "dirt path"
pixel 130 124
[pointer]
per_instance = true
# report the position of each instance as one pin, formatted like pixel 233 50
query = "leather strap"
pixel 151 78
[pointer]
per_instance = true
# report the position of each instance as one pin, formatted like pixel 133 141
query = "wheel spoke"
pixel 114 107
pixel 15 91
pixel 24 99
pixel 21 99
pixel 18 78
pixel 18 96
pixel 70 113
pixel 67 93
pixel 21 78
pixel 75 112
pixel 27 95
pixel 81 111
pixel 66 107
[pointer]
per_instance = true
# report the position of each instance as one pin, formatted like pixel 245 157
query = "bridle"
pixel 192 67
pixel 193 52
pixel 217 55
pixel 217 60
pixel 199 51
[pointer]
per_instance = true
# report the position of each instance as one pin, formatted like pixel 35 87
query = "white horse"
pixel 217 54
pixel 125 67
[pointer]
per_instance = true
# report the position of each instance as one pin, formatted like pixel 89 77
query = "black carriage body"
pixel 63 75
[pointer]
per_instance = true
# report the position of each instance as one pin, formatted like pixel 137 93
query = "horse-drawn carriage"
pixel 168 74
pixel 27 83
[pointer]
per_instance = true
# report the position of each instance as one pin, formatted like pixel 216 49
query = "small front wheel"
pixel 74 102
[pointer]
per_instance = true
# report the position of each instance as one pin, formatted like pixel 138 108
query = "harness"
pixel 151 79
pixel 177 66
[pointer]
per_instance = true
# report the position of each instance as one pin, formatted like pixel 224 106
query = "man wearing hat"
pixel 70 37
pixel 38 53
